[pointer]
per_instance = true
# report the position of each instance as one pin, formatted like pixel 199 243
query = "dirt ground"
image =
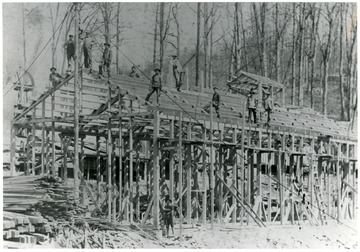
pixel 275 237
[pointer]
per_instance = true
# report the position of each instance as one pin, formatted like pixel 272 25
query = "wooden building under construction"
pixel 302 168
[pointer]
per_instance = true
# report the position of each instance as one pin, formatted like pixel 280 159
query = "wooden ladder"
pixel 319 200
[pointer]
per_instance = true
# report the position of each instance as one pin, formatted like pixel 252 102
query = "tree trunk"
pixel 293 86
pixel 162 31
pixel 244 39
pixel 263 38
pixel 341 66
pixel 155 34
pixel 117 37
pixel 313 51
pixel 24 37
pixel 237 40
pixel 300 55
pixel 277 42
pixel 197 67
pixel 257 29
pixel 206 43
pixel 211 46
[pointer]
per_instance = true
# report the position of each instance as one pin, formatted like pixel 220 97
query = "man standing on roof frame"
pixel 177 70
pixel 156 85
pixel 268 106
pixel 251 105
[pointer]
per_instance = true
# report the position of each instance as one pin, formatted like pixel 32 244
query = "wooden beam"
pixel 82 171
pixel 43 97
pixel 212 179
pixel 53 157
pixel 172 163
pixel 13 130
pixel 120 159
pixel 113 178
pixel 180 172
pixel 156 171
pixel 188 156
pixel 204 179
pixel 131 167
pixel 42 139
pixel 76 105
pixel 98 167
pixel 109 159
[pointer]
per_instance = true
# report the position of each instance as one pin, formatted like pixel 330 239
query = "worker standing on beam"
pixel 216 102
pixel 251 105
pixel 268 106
pixel 105 61
pixel 87 47
pixel 70 52
pixel 177 72
pixel 156 85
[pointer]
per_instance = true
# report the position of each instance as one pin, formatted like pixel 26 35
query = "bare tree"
pixel 341 65
pixel 156 33
pixel 175 10
pixel 311 55
pixel 326 48
pixel 293 83
pixel 301 31
pixel 54 20
pixel 243 38
pixel 197 81
pixel 237 39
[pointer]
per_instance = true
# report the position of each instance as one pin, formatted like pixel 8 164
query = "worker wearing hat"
pixel 87 48
pixel 54 77
pixel 168 217
pixel 216 102
pixel 177 71
pixel 156 85
pixel 106 60
pixel 251 105
pixel 268 105
pixel 70 51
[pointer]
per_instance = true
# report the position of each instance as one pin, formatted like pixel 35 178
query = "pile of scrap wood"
pixel 94 233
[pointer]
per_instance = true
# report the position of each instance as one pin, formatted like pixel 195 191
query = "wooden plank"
pixel 156 172
pixel 120 158
pixel 180 172
pixel 131 167
pixel 204 178
pixel 109 160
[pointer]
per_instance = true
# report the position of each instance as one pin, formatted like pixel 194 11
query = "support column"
pixel 109 158
pixel 98 174
pixel 180 173
pixel 76 104
pixel 131 167
pixel 234 175
pixel 66 145
pixel 113 178
pixel 156 172
pixel 188 182
pixel 47 167
pixel 43 139
pixel 212 179
pixel 82 171
pixel 12 149
pixel 53 156
pixel 204 178
pixel 121 143
pixel 172 164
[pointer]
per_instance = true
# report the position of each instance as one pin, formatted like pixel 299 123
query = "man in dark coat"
pixel 106 60
pixel 268 106
pixel 70 51
pixel 156 85
pixel 216 102
pixel 87 47
pixel 251 105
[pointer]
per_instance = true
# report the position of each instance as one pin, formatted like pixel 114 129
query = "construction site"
pixel 92 164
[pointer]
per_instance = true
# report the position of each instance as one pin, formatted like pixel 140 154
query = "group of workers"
pixel 252 104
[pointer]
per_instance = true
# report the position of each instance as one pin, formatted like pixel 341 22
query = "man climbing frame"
pixel 156 85
pixel 177 72
pixel 105 61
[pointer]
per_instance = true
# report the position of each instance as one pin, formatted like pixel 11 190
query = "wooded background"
pixel 311 48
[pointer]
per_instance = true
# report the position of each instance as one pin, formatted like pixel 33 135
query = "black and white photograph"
pixel 179 125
